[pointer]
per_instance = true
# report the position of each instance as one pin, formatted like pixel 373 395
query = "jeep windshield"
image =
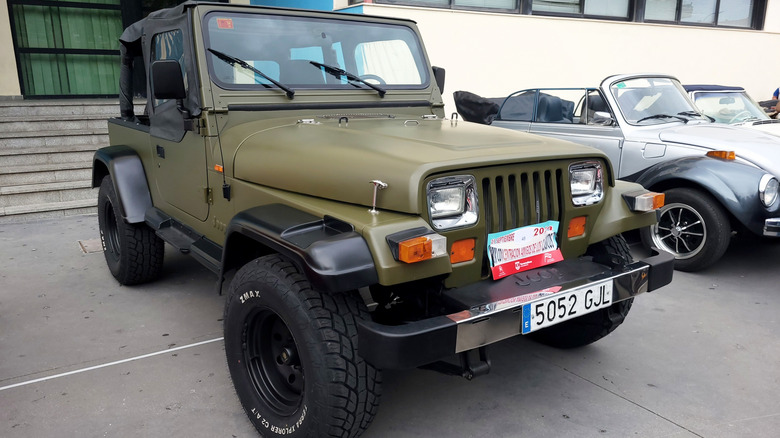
pixel 651 100
pixel 294 50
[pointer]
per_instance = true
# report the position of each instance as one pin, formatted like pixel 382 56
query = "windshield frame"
pixel 418 65
pixel 678 103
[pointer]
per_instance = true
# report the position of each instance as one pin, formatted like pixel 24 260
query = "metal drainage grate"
pixel 90 246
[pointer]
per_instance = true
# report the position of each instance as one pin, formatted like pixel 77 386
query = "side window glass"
pixel 169 45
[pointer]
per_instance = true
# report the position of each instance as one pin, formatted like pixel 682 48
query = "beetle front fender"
pixel 733 184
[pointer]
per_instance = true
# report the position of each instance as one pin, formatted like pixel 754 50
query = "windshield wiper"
pixel 690 114
pixel 240 62
pixel 663 116
pixel 695 114
pixel 338 72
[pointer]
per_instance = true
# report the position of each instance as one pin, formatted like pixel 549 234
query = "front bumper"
pixel 492 310
pixel 772 227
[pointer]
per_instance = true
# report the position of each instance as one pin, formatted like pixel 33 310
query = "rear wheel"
pixel 590 328
pixel 293 354
pixel 693 227
pixel 134 253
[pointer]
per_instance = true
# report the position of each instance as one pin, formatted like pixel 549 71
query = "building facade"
pixel 68 49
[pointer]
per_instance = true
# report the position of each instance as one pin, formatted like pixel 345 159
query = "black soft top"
pixel 690 88
pixel 136 41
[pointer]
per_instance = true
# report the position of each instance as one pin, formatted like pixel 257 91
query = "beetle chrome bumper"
pixel 493 310
pixel 772 227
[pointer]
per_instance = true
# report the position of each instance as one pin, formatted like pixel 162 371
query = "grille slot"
pixel 517 200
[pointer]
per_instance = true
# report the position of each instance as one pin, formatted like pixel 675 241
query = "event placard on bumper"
pixel 523 248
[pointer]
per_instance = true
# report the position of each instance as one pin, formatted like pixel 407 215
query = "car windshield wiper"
pixel 338 72
pixel 690 114
pixel 240 62
pixel 695 114
pixel 663 116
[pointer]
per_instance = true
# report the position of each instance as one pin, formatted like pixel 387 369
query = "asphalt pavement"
pixel 82 356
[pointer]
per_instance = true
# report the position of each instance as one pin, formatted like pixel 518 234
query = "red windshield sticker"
pixel 225 23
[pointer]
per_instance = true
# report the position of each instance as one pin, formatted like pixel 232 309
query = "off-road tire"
pixel 589 328
pixel 134 253
pixel 693 227
pixel 293 356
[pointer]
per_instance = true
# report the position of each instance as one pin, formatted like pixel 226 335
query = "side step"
pixel 208 253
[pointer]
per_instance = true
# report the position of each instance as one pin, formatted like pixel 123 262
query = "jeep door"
pixel 179 154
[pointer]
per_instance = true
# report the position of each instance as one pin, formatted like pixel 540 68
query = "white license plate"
pixel 567 305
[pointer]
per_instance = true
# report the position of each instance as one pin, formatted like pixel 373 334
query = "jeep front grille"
pixel 519 199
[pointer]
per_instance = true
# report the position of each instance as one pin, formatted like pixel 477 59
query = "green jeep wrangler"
pixel 304 158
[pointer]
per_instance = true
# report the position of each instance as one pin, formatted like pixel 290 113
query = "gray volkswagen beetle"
pixel 718 179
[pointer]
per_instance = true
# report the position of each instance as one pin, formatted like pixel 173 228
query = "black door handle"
pixel 160 151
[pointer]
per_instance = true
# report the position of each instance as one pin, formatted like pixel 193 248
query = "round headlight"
pixel 768 190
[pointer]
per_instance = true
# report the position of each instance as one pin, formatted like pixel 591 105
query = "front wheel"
pixel 134 253
pixel 693 227
pixel 293 356
pixel 589 328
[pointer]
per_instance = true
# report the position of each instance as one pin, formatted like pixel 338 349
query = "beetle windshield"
pixel 729 106
pixel 650 100
pixel 283 48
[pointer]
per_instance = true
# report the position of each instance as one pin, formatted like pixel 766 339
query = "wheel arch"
pixel 332 256
pixel 127 173
pixel 734 186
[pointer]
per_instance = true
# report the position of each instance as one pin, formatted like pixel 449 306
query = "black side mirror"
pixel 438 74
pixel 167 80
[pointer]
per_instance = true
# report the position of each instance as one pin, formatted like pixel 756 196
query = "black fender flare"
pixel 733 184
pixel 328 251
pixel 129 178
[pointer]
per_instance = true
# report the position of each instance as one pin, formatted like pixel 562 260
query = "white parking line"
pixel 157 353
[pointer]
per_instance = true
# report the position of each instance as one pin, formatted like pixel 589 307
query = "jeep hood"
pixel 757 147
pixel 337 161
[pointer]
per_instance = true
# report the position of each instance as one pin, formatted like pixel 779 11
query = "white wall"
pixel 9 79
pixel 495 54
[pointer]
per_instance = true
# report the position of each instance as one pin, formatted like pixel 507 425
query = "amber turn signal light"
pixel 577 226
pixel 462 251
pixel 415 250
pixel 642 200
pixel 723 155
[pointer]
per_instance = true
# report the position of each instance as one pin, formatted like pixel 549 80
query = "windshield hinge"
pixel 208 195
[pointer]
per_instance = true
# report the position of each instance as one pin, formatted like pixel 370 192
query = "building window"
pixel 600 8
pixel 485 4
pixel 729 13
pixel 748 14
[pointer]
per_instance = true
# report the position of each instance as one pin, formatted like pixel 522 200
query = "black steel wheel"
pixel 272 362
pixel 293 356
pixel 134 253
pixel 591 327
pixel 693 227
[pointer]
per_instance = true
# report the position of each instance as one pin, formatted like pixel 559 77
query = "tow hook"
pixel 473 363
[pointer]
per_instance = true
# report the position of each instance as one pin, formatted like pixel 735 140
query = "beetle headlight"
pixel 768 190
pixel 587 186
pixel 452 202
